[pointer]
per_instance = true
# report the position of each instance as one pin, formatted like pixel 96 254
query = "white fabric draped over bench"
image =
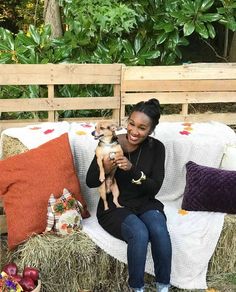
pixel 194 235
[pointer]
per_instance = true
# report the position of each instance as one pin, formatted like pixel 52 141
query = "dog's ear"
pixel 97 127
pixel 113 127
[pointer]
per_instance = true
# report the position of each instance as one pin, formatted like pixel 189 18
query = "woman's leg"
pixel 136 235
pixel 160 244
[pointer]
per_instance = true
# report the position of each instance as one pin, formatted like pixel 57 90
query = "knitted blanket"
pixel 194 235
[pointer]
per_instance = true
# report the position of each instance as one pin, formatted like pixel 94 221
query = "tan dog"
pixel 108 146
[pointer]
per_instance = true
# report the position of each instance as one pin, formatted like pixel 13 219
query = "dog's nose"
pixel 93 133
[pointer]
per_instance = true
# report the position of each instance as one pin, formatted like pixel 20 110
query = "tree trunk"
pixel 232 52
pixel 52 16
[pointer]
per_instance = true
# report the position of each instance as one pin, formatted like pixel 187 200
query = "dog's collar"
pixel 107 143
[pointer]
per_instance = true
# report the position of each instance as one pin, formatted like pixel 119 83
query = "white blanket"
pixel 194 235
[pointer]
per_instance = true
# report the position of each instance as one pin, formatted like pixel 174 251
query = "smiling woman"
pixel 139 177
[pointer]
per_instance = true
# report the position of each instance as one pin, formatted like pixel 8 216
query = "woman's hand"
pixel 123 163
pixel 109 164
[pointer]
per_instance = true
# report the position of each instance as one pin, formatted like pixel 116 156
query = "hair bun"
pixel 154 101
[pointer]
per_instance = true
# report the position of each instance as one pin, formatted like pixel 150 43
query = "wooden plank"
pixel 184 72
pixel 51 113
pixel 72 103
pixel 22 123
pixel 226 118
pixel 116 111
pixel 44 74
pixel 179 85
pixel 180 97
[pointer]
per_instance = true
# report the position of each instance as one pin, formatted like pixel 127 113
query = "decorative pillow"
pixel 209 189
pixel 229 158
pixel 64 215
pixel 28 179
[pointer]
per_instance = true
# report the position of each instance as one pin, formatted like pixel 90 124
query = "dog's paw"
pixel 102 178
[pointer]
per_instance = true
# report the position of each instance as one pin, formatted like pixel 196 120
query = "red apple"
pixel 10 269
pixel 27 283
pixel 17 277
pixel 32 273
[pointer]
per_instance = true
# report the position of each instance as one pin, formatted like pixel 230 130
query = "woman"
pixel 139 175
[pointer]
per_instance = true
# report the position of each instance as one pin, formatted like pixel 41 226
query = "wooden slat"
pixel 51 113
pixel 45 104
pixel 116 112
pixel 44 74
pixel 181 72
pixel 180 97
pixel 179 85
pixel 227 118
pixel 22 123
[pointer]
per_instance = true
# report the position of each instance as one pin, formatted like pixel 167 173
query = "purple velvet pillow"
pixel 209 189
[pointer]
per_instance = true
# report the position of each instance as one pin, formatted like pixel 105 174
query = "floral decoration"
pixel 61 205
pixel 8 284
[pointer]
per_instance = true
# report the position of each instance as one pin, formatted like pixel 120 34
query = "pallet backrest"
pixel 51 75
pixel 183 87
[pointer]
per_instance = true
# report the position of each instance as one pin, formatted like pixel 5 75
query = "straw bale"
pixel 224 257
pixel 11 146
pixel 73 263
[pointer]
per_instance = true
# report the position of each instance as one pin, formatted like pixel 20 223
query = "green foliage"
pixel 144 32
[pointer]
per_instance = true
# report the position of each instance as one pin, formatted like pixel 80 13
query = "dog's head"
pixel 104 129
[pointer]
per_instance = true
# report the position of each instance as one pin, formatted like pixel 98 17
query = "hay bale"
pixel 71 263
pixel 3 250
pixel 11 146
pixel 224 259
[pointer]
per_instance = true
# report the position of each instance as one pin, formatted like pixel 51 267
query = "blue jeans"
pixel 137 231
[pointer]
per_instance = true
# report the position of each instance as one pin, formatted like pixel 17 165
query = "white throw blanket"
pixel 194 235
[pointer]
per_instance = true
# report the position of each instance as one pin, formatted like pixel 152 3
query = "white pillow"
pixel 228 161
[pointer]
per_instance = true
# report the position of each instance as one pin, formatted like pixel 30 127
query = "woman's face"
pixel 138 128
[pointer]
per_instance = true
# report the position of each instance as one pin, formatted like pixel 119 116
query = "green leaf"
pixel 6 40
pixel 161 38
pixel 137 43
pixel 5 58
pixel 188 28
pixel 211 30
pixel 202 30
pixel 22 39
pixel 128 47
pixel 178 53
pixel 206 4
pixel 210 17
pixel 34 91
pixel 34 34
pixel 151 54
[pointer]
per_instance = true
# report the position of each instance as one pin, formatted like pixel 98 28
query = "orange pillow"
pixel 26 182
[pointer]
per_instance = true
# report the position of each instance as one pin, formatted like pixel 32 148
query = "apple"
pixel 17 277
pixel 32 273
pixel 10 269
pixel 27 283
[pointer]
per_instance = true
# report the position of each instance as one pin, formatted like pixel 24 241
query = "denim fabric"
pixel 162 287
pixel 137 231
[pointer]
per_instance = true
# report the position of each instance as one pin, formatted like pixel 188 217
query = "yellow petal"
pixel 80 133
pixel 182 212
pixel 188 128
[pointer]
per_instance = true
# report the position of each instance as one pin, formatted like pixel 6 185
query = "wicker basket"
pixel 37 289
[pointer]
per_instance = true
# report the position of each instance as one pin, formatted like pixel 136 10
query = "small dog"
pixel 108 146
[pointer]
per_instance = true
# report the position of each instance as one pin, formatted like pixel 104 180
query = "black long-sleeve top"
pixel 149 158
